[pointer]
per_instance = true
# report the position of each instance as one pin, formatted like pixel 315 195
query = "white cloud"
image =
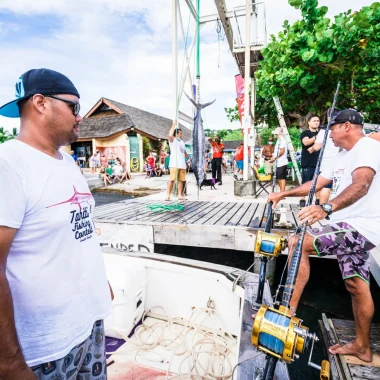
pixel 121 49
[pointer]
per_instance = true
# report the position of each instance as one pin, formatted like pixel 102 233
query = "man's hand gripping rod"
pixel 277 332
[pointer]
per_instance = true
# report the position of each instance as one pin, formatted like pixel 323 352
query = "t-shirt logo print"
pixel 82 224
pixel 76 199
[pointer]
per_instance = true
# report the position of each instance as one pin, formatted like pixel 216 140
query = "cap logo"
pixel 20 92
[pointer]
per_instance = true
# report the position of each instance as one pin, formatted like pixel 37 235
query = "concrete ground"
pixel 155 188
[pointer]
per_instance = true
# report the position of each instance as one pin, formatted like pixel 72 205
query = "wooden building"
pixel 113 127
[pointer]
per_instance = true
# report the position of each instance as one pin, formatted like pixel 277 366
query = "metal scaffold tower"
pixel 245 48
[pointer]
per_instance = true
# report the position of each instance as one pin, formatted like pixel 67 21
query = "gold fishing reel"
pixel 268 244
pixel 279 334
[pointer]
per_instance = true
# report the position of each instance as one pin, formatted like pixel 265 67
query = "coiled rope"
pixel 207 352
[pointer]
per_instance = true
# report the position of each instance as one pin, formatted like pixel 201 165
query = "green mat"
pixel 163 207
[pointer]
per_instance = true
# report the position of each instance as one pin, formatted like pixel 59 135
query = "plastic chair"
pixel 264 180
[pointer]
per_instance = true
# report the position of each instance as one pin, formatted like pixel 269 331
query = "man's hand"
pixel 275 198
pixel 311 150
pixel 312 214
pixel 272 160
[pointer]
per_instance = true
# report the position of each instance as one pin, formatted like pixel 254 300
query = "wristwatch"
pixel 327 207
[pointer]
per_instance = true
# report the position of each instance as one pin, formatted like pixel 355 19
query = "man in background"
pixel 177 164
pixel 217 156
pixel 267 153
pixel 280 155
pixel 239 158
pixel 327 160
pixel 74 156
pixel 309 157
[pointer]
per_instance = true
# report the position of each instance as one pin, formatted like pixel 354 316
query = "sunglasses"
pixel 75 107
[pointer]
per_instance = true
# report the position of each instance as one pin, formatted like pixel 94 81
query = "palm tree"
pixel 13 135
pixel 4 135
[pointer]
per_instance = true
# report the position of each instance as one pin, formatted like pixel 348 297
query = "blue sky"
pixel 121 49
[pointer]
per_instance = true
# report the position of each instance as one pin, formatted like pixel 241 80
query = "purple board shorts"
pixel 350 247
pixel 86 361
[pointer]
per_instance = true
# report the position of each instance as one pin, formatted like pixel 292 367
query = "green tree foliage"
pixel 303 64
pixel 234 135
pixel 147 147
pixel 294 134
pixel 6 135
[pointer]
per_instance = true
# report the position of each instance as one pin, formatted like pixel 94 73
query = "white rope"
pixel 187 338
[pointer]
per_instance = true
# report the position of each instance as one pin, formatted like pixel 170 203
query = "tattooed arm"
pixel 361 181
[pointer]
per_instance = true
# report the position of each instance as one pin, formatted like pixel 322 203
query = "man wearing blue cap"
pixel 353 226
pixel 53 288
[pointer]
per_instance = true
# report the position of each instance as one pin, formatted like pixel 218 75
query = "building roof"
pixel 231 145
pixel 108 117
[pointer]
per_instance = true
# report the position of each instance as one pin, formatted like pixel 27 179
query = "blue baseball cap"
pixel 38 81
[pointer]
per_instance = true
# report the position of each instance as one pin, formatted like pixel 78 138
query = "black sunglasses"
pixel 75 107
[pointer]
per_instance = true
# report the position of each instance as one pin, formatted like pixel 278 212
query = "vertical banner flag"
pixel 239 82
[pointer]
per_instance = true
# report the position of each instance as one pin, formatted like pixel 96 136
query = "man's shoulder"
pixel 8 148
pixel 306 133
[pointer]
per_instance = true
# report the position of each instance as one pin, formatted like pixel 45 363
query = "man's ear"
pixel 39 103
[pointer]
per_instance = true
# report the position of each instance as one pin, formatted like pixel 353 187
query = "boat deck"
pixel 251 361
pixel 345 367
pixel 223 225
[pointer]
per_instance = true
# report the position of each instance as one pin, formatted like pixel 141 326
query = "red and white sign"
pixel 240 88
pixel 239 82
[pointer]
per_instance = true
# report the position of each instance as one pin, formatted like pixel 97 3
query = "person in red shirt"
pixel 216 163
pixel 151 160
pixel 239 159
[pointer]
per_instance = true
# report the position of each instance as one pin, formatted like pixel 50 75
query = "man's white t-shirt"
pixel 330 149
pixel 55 266
pixel 363 215
pixel 177 154
pixel 282 160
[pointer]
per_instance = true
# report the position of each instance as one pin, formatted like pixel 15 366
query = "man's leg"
pixel 282 184
pixel 170 188
pixel 219 170
pixel 180 189
pixel 363 309
pixel 304 269
pixel 213 168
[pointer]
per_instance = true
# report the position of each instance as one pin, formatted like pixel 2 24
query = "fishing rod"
pixel 268 245
pixel 277 332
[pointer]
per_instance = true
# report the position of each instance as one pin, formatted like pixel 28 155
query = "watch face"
pixel 327 207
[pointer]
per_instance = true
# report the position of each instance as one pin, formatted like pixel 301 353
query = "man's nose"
pixel 78 118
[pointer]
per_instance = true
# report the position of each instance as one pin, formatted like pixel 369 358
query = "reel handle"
pixel 325 370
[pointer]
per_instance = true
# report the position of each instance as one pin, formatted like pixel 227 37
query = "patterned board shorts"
pixel 350 247
pixel 86 361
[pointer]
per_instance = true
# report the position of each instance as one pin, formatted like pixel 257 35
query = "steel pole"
pixel 247 63
pixel 175 59
pixel 253 132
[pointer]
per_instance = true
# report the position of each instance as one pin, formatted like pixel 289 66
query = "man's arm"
pixel 12 362
pixel 361 182
pixel 298 191
pixel 307 141
pixel 280 153
pixel 171 132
